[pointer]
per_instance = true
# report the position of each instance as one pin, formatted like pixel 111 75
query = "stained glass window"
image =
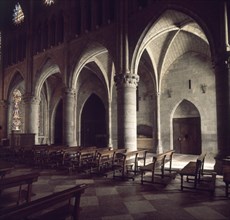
pixel 16 122
pixel 49 2
pixel 18 15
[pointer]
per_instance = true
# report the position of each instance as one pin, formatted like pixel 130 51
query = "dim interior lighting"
pixel 49 2
pixel 18 15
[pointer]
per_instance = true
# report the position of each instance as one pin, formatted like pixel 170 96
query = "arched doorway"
pixel 93 123
pixel 187 129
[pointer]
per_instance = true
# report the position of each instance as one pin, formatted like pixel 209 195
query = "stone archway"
pixel 187 129
pixel 93 123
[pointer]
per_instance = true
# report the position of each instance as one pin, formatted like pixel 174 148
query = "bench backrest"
pixel 159 160
pixel 200 162
pixel 47 202
pixel 169 154
pixel 13 181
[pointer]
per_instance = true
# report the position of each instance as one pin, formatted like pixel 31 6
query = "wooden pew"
pixel 192 171
pixel 5 168
pixel 141 157
pixel 103 161
pixel 126 164
pixel 20 181
pixel 168 158
pixel 86 156
pixel 194 174
pixel 158 163
pixel 59 205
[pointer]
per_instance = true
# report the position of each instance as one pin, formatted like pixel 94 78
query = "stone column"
pixel 222 101
pixel 127 116
pixel 126 83
pixel 159 142
pixel 32 105
pixel 227 63
pixel 109 127
pixel 69 119
pixel 222 74
pixel 3 119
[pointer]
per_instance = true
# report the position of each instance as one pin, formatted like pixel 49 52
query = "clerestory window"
pixel 18 14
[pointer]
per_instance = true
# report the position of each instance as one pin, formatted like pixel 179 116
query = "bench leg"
pixel 181 182
pixel 152 176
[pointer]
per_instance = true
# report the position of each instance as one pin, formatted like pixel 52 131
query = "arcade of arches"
pixel 123 74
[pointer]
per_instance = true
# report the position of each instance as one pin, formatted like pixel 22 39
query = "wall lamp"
pixel 169 92
pixel 203 87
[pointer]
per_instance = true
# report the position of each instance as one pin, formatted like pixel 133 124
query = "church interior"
pixel 118 108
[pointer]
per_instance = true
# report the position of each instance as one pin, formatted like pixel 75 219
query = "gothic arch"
pixel 186 125
pixel 47 69
pixel 178 21
pixel 93 122
pixel 93 54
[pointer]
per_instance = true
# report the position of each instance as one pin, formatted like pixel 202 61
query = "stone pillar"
pixel 159 142
pixel 109 127
pixel 3 119
pixel 127 116
pixel 69 119
pixel 222 68
pixel 32 105
pixel 227 147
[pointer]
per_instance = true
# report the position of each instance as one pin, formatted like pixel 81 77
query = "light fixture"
pixel 203 87
pixel 169 92
pixel 18 15
pixel 48 2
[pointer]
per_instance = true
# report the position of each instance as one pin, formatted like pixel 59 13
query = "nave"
pixel 107 198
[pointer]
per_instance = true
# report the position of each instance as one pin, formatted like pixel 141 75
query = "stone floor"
pixel 113 199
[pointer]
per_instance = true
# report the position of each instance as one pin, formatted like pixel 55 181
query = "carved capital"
pixel 28 98
pixel 69 92
pixel 128 79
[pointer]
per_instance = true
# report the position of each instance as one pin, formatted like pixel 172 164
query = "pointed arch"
pixel 93 122
pixel 186 124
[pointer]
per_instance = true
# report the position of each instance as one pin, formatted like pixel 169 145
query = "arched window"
pixel 18 15
pixel 48 2
pixel 16 118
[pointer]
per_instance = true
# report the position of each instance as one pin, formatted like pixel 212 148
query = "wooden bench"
pixel 102 164
pixel 59 205
pixel 126 164
pixel 168 159
pixel 20 181
pixel 5 168
pixel 122 165
pixel 158 163
pixel 193 172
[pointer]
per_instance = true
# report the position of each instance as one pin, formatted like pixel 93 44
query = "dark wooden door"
pixel 187 135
